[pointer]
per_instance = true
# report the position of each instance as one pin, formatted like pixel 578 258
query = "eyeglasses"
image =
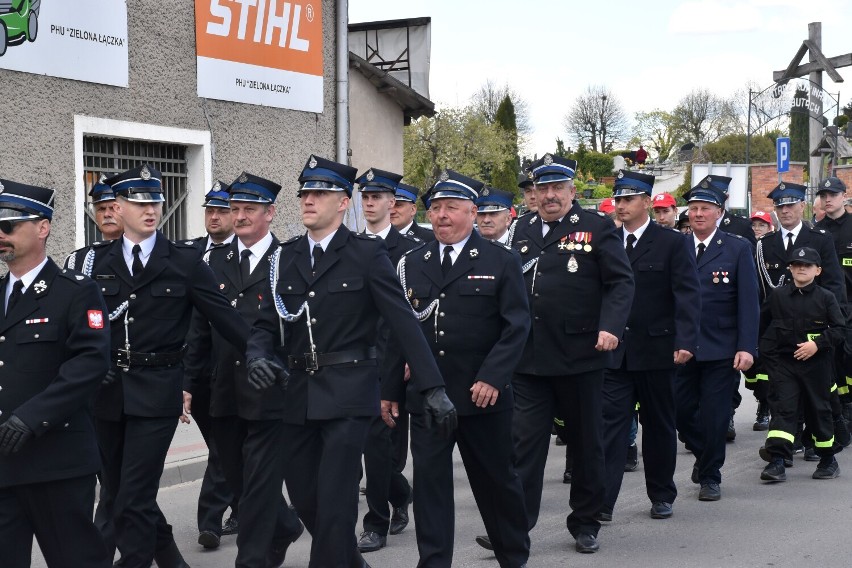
pixel 7 226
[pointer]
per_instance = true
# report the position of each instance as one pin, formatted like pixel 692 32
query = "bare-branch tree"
pixel 488 98
pixel 656 129
pixel 702 117
pixel 598 118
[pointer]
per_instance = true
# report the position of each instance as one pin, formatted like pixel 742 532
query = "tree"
pixel 702 117
pixel 598 118
pixel 505 176
pixel 657 129
pixel 769 109
pixel 487 101
pixel 799 131
pixel 732 148
pixel 456 138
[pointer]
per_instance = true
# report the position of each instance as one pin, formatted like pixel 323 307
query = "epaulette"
pixel 365 236
pixel 411 238
pixel 98 244
pixel 72 275
pixel 735 235
pixel 184 244
pixel 290 241
pixel 418 247
pixel 501 245
pixel 601 213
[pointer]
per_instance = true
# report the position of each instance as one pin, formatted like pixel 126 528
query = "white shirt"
pixel 545 228
pixel 794 231
pixel 456 249
pixel 147 247
pixel 383 233
pixel 505 238
pixel 258 249
pixel 407 228
pixel 705 242
pixel 323 244
pixel 27 279
pixel 637 233
pixel 210 242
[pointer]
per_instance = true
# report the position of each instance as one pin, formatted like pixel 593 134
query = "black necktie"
pixel 138 267
pixel 317 254
pixel 447 260
pixel 15 295
pixel 552 225
pixel 701 247
pixel 245 265
pixel 631 244
pixel 789 242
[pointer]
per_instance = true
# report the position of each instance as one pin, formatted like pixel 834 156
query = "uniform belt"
pixel 125 358
pixel 312 362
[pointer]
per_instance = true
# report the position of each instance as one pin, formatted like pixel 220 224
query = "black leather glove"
pixel 13 435
pixel 263 373
pixel 110 377
pixel 437 406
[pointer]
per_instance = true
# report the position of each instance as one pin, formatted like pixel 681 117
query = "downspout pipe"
pixel 342 88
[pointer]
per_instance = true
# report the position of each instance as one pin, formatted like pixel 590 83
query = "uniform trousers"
pixel 321 467
pixel 215 495
pixel 133 452
pixel 577 400
pixel 384 483
pixel 654 390
pixel 805 385
pixel 703 393
pixel 251 454
pixel 59 514
pixel 484 442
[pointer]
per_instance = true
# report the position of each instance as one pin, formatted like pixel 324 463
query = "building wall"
pixel 845 175
pixel 39 114
pixel 764 178
pixel 376 124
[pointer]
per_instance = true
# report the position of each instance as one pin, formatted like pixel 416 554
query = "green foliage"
pixel 799 130
pixel 732 148
pixel 658 131
pixel 457 138
pixel 687 182
pixel 593 164
pixel 561 151
pixel 505 175
pixel 841 121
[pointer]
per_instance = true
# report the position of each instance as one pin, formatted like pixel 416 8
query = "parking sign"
pixel 782 154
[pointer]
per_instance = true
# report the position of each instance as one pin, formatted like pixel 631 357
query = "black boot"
pixel 774 471
pixel 841 431
pixel 761 421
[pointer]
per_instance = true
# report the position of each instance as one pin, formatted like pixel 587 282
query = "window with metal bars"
pixel 103 155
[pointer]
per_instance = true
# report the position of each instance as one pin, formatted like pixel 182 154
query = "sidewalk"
pixel 187 457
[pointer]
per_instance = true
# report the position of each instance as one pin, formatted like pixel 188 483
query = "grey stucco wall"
pixel 37 126
pixel 376 123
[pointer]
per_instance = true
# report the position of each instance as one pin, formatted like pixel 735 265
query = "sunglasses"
pixel 7 226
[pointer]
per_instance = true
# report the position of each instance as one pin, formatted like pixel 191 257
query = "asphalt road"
pixel 800 523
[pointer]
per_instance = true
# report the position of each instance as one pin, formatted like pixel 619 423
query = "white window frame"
pixel 199 163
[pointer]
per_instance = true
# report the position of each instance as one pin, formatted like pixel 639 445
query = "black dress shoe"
pixel 774 471
pixel 566 477
pixel 276 555
pixel 731 434
pixel 208 539
pixel 399 519
pixel 709 491
pixel 661 510
pixel 632 461
pixel 694 476
pixel 169 556
pixel 484 542
pixel 371 541
pixel 231 526
pixel 586 543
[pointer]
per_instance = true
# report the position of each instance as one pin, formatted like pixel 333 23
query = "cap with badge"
pixel 711 189
pixel 375 180
pixel 664 201
pixel 831 185
pixel 632 183
pixel 405 192
pixel 253 189
pixel 320 174
pixel 491 200
pixel 142 184
pixel 805 255
pixel 762 216
pixel 22 202
pixel 552 169
pixel 525 181
pixel 101 191
pixel 787 193
pixel 607 206
pixel 218 196
pixel 454 185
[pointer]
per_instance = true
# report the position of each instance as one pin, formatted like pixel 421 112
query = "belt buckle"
pixel 122 359
pixel 311 362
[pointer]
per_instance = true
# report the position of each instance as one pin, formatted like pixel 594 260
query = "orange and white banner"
pixel 261 52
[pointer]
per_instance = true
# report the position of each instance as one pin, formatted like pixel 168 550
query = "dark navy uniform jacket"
pixel 231 393
pixel 421 233
pixel 353 285
pixel 840 230
pixel 160 303
pixel 478 329
pixel 775 258
pixel 736 225
pixel 666 304
pixel 569 307
pixel 729 310
pixel 54 345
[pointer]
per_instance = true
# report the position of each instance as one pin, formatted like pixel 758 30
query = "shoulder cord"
pixel 433 307
pixel 511 233
pixel 761 266
pixel 88 265
pixel 71 261
pixel 283 314
pixel 531 265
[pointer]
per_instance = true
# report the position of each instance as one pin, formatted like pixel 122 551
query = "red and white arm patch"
pixel 96 319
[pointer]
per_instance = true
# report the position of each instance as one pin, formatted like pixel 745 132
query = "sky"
pixel 648 54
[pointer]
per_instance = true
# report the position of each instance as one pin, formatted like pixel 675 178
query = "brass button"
pixel 45 424
pixel 168 290
pixel 443 295
pixel 237 364
pixel 35 336
pixel 441 314
pixel 477 289
pixel 441 333
pixel 313 320
pixel 441 353
pixel 103 289
pixel 241 294
pixel 536 294
pixel 345 285
pixel 310 373
pixel 132 296
pixel 2 363
pixel 538 274
pixel 289 287
pixel 311 294
pixel 2 338
pixel 130 320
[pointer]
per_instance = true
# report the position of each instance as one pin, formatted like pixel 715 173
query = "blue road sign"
pixel 782 154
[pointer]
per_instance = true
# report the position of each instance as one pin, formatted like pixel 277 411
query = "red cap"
pixel 664 200
pixel 763 216
pixel 607 206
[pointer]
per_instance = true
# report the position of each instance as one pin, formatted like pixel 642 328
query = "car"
pixel 18 22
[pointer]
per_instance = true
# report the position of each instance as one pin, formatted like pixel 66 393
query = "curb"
pixel 183 471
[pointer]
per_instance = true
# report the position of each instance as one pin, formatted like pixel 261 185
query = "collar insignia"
pixel 474 253
pixel 574 218
pixel 39 287
pixel 230 255
pixel 427 255
pixel 533 220
pixel 727 221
